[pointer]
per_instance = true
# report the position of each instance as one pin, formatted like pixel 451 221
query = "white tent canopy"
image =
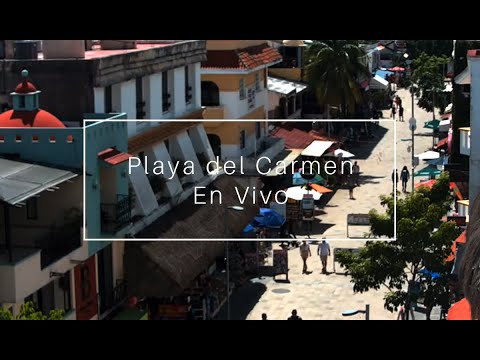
pixel 428 155
pixel 444 126
pixel 297 193
pixel 317 148
pixel 341 153
pixel 378 83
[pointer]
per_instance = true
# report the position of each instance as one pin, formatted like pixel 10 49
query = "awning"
pixel 317 148
pixel 20 181
pixel 460 189
pixel 444 125
pixel 464 78
pixel 432 124
pixel 460 311
pixel 428 155
pixel 428 171
pixel 284 160
pixel 285 87
pixel 462 239
pixel 113 157
pixel 378 83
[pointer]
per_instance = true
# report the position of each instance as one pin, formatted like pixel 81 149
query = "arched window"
pixel 210 94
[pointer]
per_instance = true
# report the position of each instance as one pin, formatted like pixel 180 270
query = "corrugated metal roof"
pixel 20 181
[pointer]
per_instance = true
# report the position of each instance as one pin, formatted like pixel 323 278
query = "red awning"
pixel 460 311
pixel 442 143
pixel 462 239
pixel 460 189
pixel 113 157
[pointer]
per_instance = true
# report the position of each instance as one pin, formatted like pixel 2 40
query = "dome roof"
pixel 24 119
pixel 25 87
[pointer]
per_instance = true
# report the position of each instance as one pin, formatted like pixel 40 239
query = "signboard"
pixel 86 290
pixel 308 208
pixel 280 262
pixel 293 211
pixel 358 219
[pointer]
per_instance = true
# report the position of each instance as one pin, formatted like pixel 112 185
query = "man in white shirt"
pixel 324 252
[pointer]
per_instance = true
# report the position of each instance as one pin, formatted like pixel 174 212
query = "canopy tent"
pixel 378 83
pixel 432 124
pixel 297 179
pixel 317 148
pixel 428 171
pixel 321 189
pixel 383 73
pixel 341 153
pixel 268 219
pixel 428 155
pixel 297 193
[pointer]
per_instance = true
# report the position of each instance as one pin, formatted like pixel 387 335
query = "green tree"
pixel 28 311
pixel 428 81
pixel 430 47
pixel 395 265
pixel 332 70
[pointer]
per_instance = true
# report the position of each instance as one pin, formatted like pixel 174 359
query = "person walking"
pixel 400 113
pixel 394 111
pixel 305 253
pixel 324 252
pixel 294 316
pixel 351 186
pixel 405 176
pixel 356 173
pixel 395 180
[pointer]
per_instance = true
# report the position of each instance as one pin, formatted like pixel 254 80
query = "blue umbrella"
pixel 268 219
pixel 248 229
pixel 297 180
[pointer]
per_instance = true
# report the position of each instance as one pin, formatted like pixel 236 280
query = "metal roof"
pixel 20 181
pixel 285 87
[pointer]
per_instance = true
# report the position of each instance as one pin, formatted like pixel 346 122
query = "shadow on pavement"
pixel 364 149
pixel 243 301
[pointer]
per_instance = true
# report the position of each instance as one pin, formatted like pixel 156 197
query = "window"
pixel 65 285
pixel 188 88
pixel 32 209
pixel 243 90
pixel 243 139
pixel 165 92
pixel 258 130
pixel 108 99
pixel 21 101
pixel 258 85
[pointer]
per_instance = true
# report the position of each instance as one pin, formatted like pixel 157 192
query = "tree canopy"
pixel 28 311
pixel 422 244
pixel 430 47
pixel 333 69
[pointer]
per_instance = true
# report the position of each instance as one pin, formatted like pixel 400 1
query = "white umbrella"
pixel 341 153
pixel 297 192
pixel 428 155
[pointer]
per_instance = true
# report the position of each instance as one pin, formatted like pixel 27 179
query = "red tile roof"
pixel 298 139
pixel 247 58
pixel 113 156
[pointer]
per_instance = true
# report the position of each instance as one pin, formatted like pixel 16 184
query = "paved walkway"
pixel 318 296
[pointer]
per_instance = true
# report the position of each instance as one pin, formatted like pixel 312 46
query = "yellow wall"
pixel 232 44
pixel 294 74
pixel 231 82
pixel 229 131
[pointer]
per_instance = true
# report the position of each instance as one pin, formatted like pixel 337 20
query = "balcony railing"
pixel 59 243
pixel 116 216
pixel 113 299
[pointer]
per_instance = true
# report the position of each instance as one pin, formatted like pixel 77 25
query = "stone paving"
pixel 319 296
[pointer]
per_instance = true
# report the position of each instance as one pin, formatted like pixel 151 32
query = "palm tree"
pixel 333 67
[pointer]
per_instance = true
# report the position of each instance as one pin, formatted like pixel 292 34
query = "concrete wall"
pixel 181 149
pixel 58 153
pixel 101 136
pixel 160 153
pixel 474 188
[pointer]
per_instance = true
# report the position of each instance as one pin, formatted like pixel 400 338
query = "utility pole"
pixel 413 126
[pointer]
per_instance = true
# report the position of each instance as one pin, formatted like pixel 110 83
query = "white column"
pixel 181 149
pixel 174 186
pixel 179 104
pixel 197 86
pixel 128 100
pixel 474 64
pixel 99 100
pixel 200 142
pixel 154 101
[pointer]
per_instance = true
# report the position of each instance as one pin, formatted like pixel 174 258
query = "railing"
pixel 115 216
pixel 59 243
pixel 114 299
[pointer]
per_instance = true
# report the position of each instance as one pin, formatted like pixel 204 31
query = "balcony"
pixel 214 112
pixel 58 244
pixel 113 299
pixel 116 216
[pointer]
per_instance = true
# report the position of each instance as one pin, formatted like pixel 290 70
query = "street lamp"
pixel 227 231
pixel 356 311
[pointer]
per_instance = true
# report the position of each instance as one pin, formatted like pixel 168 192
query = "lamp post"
pixel 356 311
pixel 227 232
pixel 413 127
